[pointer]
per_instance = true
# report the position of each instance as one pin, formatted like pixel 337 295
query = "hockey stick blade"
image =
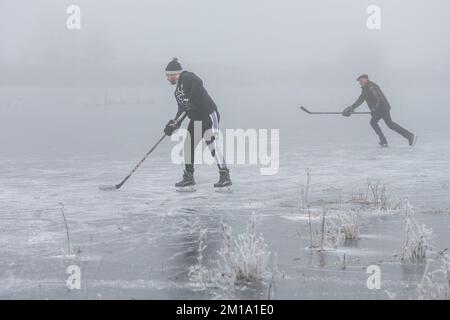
pixel 108 187
pixel 306 110
pixel 310 112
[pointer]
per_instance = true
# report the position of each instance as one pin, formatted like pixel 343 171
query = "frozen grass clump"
pixel 245 258
pixel 330 231
pixel 417 238
pixel 325 233
pixel 304 193
pixel 326 230
pixel 376 196
pixel 350 224
pixel 199 275
pixel 380 198
pixel 435 285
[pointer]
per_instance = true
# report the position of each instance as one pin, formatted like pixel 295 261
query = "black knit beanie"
pixel 174 66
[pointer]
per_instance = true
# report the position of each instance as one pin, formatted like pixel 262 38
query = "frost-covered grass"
pixel 305 204
pixel 330 233
pixel 380 197
pixel 199 275
pixel 435 284
pixel 331 229
pixel 376 196
pixel 243 259
pixel 417 237
pixel 245 256
pixel 304 193
pixel 70 252
pixel 350 224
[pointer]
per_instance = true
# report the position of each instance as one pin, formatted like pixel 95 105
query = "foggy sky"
pixel 137 38
pixel 259 59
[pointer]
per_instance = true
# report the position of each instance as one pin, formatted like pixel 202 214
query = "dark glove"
pixel 171 126
pixel 348 111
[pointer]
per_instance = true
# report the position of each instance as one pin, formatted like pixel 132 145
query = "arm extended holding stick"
pixel 174 124
pixel 310 112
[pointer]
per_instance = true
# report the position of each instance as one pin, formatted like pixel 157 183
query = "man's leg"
pixel 216 151
pixel 190 143
pixel 189 147
pixel 374 123
pixel 386 115
pixel 216 148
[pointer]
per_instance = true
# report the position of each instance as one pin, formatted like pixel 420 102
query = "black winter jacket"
pixel 372 94
pixel 190 89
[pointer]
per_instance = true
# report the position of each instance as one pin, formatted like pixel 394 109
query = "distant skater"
pixel 380 109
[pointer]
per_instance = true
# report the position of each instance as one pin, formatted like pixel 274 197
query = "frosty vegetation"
pixel 332 224
pixel 66 227
pixel 243 259
pixel 417 237
pixel 377 197
pixel 198 274
pixel 350 224
pixel 331 230
pixel 435 284
pixel 328 228
pixel 72 252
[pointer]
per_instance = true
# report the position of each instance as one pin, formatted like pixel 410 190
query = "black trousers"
pixel 210 122
pixel 385 114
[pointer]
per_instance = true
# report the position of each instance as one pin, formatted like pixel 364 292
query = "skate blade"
pixel 414 141
pixel 227 189
pixel 186 189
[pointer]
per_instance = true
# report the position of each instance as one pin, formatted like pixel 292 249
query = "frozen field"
pixel 139 242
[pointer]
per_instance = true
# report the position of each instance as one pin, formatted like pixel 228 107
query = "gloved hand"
pixel 348 111
pixel 171 126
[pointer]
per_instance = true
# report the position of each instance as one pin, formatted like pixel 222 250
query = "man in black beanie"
pixel 192 98
pixel 380 108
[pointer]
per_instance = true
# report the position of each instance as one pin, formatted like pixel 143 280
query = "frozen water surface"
pixel 79 108
pixel 139 242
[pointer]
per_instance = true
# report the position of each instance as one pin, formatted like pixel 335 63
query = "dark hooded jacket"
pixel 190 90
pixel 375 98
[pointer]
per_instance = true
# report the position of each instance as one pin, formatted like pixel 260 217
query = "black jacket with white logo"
pixel 372 94
pixel 190 90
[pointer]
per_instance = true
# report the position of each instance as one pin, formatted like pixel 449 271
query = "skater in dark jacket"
pixel 380 109
pixel 192 98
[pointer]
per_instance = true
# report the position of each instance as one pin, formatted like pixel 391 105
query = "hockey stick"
pixel 310 112
pixel 117 186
